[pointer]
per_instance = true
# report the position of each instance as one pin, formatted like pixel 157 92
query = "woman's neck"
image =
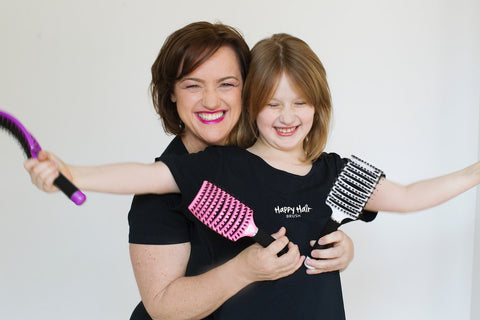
pixel 193 144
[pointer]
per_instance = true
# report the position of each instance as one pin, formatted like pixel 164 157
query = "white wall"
pixel 405 79
pixel 476 264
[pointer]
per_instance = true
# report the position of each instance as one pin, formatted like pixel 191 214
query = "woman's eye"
pixel 227 85
pixel 300 103
pixel 191 86
pixel 273 105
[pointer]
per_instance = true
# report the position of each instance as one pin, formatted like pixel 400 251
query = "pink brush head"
pixel 223 213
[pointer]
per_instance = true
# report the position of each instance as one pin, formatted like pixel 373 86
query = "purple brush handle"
pixel 69 189
pixel 32 148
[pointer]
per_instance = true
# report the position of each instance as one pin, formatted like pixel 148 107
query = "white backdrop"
pixel 405 80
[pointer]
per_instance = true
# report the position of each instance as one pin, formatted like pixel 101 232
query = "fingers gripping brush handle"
pixel 330 227
pixel 227 216
pixel 264 239
pixel 31 147
pixel 349 194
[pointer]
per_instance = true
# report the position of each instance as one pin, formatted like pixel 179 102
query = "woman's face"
pixel 209 100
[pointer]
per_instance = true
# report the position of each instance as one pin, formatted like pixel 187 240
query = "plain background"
pixel 405 81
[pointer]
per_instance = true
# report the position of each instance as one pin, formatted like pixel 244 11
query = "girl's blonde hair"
pixel 271 57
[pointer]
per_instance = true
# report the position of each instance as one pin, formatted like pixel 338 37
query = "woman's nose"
pixel 211 100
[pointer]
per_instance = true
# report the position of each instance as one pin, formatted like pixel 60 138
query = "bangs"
pixel 194 56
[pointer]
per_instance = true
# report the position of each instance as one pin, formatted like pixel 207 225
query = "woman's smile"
pixel 211 117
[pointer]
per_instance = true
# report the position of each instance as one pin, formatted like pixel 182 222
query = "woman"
pixel 173 268
pixel 173 235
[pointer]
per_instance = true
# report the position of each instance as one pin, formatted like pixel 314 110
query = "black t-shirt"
pixel 153 220
pixel 278 198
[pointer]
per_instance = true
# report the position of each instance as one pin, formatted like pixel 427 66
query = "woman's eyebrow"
pixel 191 79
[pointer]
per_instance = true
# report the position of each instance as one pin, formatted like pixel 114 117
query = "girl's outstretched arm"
pixel 389 196
pixel 121 178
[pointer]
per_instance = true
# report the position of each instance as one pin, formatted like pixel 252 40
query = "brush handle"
pixel 331 226
pixel 69 189
pixel 328 228
pixel 265 239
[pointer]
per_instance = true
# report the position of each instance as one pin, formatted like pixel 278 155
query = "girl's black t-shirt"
pixel 277 198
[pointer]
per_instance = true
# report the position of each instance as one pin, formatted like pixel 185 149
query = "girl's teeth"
pixel 286 130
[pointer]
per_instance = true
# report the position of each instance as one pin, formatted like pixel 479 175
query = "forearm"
pixel 198 296
pixel 423 194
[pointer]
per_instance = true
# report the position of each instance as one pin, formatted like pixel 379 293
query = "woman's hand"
pixel 337 257
pixel 44 170
pixel 259 264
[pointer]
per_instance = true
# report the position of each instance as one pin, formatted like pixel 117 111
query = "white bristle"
pixel 352 189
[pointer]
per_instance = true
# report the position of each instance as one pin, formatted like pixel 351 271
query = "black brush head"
pixel 16 132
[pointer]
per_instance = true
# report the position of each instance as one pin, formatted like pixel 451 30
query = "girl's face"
pixel 209 100
pixel 286 120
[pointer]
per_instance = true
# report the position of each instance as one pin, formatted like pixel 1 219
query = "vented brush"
pixel 349 194
pixel 31 147
pixel 226 215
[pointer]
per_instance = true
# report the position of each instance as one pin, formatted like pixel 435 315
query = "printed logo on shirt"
pixel 293 212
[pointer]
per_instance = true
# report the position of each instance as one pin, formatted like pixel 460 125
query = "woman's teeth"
pixel 210 116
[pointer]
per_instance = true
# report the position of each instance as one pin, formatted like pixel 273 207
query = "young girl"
pixel 283 175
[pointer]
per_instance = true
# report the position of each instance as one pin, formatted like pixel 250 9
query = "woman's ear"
pixel 173 98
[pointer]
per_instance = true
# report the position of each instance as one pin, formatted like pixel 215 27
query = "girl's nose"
pixel 287 115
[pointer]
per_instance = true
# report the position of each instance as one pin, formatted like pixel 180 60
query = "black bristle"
pixel 8 125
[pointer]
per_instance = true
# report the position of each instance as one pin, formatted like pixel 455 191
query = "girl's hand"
pixel 44 170
pixel 337 257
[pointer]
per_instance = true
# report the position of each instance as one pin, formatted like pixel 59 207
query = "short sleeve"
pixel 339 163
pixel 154 219
pixel 191 170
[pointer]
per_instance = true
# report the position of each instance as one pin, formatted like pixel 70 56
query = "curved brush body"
pixel 349 194
pixel 31 147
pixel 226 215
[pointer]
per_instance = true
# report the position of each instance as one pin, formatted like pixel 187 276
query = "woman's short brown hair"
pixel 271 57
pixel 184 51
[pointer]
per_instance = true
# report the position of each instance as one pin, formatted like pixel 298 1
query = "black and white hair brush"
pixel 349 194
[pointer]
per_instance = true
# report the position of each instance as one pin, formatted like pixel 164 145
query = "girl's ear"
pixel 173 98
